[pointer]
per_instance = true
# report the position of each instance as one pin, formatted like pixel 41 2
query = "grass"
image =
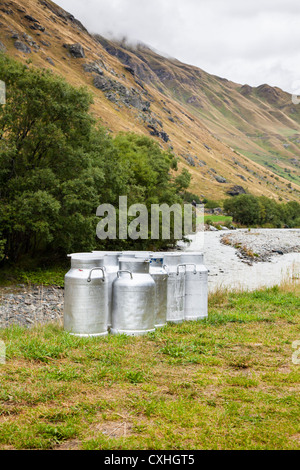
pixel 219 219
pixel 228 382
pixel 47 276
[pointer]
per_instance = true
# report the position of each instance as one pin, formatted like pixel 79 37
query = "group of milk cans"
pixel 133 292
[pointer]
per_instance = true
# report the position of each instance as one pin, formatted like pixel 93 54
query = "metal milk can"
pixel 133 254
pixel 133 310
pixel 86 296
pixel 196 286
pixel 111 264
pixel 160 276
pixel 175 287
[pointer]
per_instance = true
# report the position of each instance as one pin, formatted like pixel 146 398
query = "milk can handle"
pixel 179 266
pixel 166 268
pixel 124 271
pixel 94 269
pixel 191 264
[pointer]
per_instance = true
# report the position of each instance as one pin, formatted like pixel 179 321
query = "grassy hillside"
pixel 226 134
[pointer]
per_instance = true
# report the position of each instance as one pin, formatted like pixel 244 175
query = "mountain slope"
pixel 230 137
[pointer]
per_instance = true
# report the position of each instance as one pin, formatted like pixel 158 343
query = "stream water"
pixel 226 269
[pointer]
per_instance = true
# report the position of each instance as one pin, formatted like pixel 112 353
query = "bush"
pixel 211 204
pixel 244 209
pixel 251 210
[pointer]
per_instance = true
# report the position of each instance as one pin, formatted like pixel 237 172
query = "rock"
pixel 236 191
pixel 30 18
pixel 50 61
pixel 116 91
pixel 76 50
pixel 37 27
pixel 164 136
pixel 102 83
pixel 220 179
pixel 93 67
pixel 129 69
pixel 156 133
pixel 22 47
pixel 111 96
pixel 217 210
pixel 7 11
pixel 61 13
pixel 2 47
pixel 212 228
pixel 279 252
pixel 30 41
pixel 242 177
pixel 190 161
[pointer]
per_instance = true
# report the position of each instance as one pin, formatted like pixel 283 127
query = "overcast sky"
pixel 251 42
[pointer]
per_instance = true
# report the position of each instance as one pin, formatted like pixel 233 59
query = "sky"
pixel 251 42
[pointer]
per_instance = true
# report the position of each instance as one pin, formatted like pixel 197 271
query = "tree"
pixel 57 166
pixel 244 209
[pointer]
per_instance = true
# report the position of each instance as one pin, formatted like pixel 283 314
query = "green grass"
pixel 47 276
pixel 218 219
pixel 228 382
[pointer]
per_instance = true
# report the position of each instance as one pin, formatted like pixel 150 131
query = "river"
pixel 227 270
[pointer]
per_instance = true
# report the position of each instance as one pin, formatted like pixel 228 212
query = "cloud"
pixel 247 42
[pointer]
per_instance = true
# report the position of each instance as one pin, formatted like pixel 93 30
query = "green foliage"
pixel 244 209
pixel 251 210
pixel 191 197
pixel 212 204
pixel 57 166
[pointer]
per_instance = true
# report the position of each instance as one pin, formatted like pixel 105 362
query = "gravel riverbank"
pixel 275 254
pixel 261 245
pixel 27 306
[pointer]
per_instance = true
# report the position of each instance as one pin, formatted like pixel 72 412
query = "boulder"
pixel 220 179
pixel 93 67
pixel 22 47
pixel 102 84
pixel 236 191
pixel 76 50
pixel 156 133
